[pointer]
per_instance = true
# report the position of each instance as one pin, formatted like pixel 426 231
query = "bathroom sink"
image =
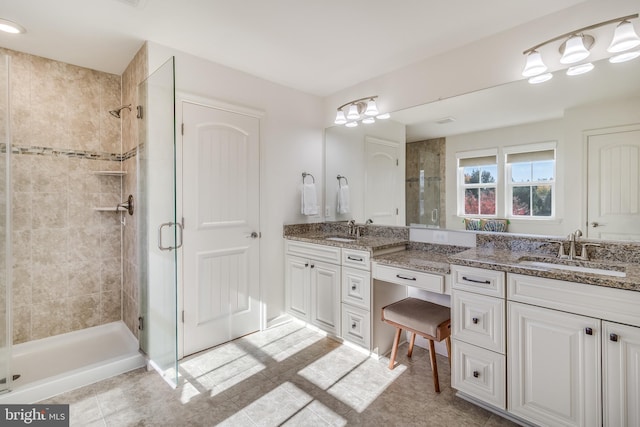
pixel 340 239
pixel 576 268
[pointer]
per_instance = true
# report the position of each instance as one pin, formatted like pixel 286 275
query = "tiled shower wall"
pixel 426 157
pixel 135 73
pixel 67 269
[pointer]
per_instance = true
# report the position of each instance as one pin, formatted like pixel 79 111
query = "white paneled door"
pixel 221 218
pixel 613 195
pixel 384 181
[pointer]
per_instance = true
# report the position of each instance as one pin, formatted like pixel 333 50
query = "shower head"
pixel 116 113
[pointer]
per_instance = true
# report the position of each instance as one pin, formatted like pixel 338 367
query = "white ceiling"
pixel 319 47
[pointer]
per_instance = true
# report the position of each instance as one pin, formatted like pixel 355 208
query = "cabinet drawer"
pixel 356 325
pixel 329 254
pixel 401 276
pixel 356 287
pixel 479 373
pixel 479 319
pixel 478 280
pixel 357 259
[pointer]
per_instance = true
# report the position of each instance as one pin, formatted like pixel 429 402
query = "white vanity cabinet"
pixel 312 284
pixel 356 297
pixel 621 374
pixel 573 352
pixel 478 334
pixel 554 366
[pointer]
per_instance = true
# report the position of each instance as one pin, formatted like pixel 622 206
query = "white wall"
pixel 291 139
pixel 571 172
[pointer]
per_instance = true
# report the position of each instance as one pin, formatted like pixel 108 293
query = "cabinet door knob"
pixel 353 325
pixel 613 337
pixel 354 287
pixel 475 320
pixel 476 374
pixel 312 265
pixel 306 264
pixel 588 331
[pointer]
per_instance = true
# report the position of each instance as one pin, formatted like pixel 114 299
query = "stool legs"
pixel 394 349
pixel 448 342
pixel 434 366
pixel 411 342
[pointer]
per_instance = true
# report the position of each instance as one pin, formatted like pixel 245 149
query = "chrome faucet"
pixel 572 239
pixel 352 226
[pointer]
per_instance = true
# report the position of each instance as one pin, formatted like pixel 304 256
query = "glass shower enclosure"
pixel 159 233
pixel 5 231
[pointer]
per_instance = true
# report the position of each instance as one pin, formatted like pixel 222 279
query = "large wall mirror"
pixel 592 119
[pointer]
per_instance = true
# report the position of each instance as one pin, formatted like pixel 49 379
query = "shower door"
pixel 5 251
pixel 160 234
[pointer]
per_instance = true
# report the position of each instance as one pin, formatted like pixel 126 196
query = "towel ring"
pixel 342 177
pixel 304 175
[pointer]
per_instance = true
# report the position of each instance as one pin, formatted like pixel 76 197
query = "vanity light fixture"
pixel 11 27
pixel 363 109
pixel 575 48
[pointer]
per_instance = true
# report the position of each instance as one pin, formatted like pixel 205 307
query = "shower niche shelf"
pixel 110 209
pixel 110 173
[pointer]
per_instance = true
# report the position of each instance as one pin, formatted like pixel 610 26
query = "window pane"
pixel 543 171
pixel 521 172
pixel 542 200
pixel 488 201
pixel 489 174
pixel 471 201
pixel 472 175
pixel 521 201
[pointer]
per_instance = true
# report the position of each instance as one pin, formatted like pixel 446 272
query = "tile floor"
pixel 287 375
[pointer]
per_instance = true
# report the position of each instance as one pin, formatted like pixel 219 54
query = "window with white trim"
pixel 477 183
pixel 531 177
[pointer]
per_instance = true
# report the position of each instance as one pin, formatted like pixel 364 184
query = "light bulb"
pixel 624 38
pixel 576 70
pixel 372 109
pixel 368 120
pixel 340 118
pixel 625 56
pixel 383 116
pixel 351 124
pixel 353 112
pixel 541 78
pixel 534 65
pixel 574 51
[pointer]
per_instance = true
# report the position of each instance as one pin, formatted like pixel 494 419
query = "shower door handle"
pixel 169 224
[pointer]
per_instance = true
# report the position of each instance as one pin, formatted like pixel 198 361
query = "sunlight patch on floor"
pixel 285 405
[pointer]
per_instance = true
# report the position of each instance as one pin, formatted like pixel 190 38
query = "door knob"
pixel 595 224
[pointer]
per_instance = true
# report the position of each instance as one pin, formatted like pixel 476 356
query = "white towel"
pixel 343 199
pixel 309 199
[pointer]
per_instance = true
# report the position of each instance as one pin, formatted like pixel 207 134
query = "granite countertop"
pixel 421 260
pixel 508 261
pixel 364 243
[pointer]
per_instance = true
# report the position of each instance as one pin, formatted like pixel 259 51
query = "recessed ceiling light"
pixel 11 27
pixel 445 120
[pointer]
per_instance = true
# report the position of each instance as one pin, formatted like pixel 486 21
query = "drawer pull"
pixel 483 282
pixel 354 287
pixel 588 331
pixel 476 374
pixel 399 276
pixel 613 337
pixel 354 325
pixel 354 259
pixel 475 320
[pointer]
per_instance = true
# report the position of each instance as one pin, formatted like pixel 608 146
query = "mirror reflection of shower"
pixel 116 113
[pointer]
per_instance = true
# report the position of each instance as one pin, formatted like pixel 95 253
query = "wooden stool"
pixel 429 320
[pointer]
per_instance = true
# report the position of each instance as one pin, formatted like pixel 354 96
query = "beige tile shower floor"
pixel 287 375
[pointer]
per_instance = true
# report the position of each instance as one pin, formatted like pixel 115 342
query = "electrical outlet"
pixel 440 237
